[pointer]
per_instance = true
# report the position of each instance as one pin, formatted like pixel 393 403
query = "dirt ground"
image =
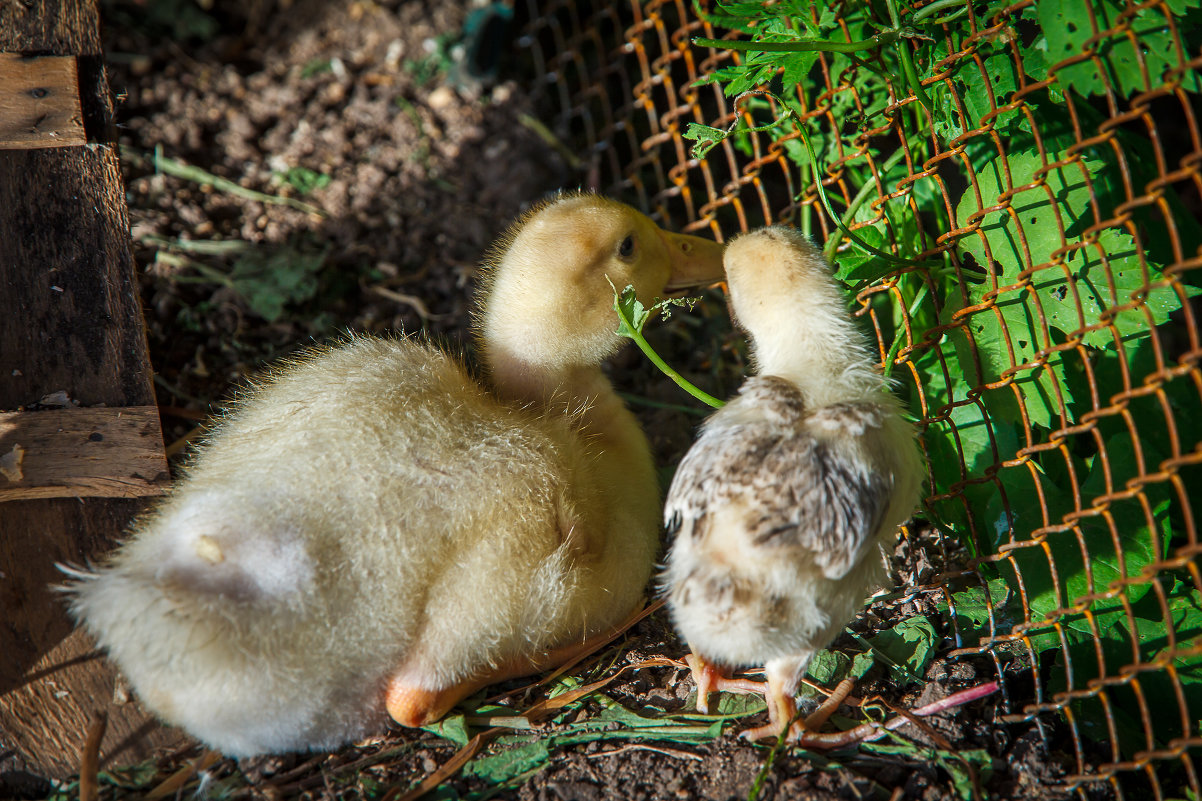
pixel 377 115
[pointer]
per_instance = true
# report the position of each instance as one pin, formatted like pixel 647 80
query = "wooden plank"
pixel 71 322
pixel 53 681
pixel 82 453
pixel 73 318
pixel 39 102
pixel 65 28
pixel 88 340
pixel 55 27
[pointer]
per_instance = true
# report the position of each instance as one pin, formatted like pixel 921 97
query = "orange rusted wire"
pixel 620 84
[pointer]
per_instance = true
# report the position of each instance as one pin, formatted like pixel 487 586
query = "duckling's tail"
pixel 196 557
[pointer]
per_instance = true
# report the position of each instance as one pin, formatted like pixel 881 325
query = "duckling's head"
pixel 783 293
pixel 547 304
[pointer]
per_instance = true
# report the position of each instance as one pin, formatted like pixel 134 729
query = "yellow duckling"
pixel 780 508
pixel 374 529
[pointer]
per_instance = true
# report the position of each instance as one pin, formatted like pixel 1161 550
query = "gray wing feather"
pixel 801 491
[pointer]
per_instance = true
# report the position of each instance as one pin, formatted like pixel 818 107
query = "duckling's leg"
pixel 783 675
pixel 710 677
pixel 411 704
pixel 782 710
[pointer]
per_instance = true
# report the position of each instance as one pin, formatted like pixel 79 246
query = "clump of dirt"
pixel 361 156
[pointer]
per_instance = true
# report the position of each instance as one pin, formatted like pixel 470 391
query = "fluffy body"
pixel 373 528
pixel 780 509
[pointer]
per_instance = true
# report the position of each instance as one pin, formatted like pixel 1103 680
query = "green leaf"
pixel 1121 636
pixel 632 316
pixel 1107 275
pixel 304 180
pixel 959 764
pixel 1042 288
pixel 272 281
pixel 998 74
pixel 505 765
pixel 862 663
pixel 453 728
pixel 316 67
pixel 963 438
pixel 705 136
pixel 738 705
pixel 774 23
pixel 729 706
pixel 613 712
pixel 758 69
pixel 856 267
pixel 911 643
pixel 828 668
pixel 1094 560
pixel 1002 342
pixel 1068 31
pixel 138 776
pixel 519 754
pixel 979 609
pixel 796 68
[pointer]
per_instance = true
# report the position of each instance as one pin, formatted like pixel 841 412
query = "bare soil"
pixel 424 164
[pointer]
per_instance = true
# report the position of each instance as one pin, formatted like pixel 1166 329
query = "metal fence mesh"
pixel 1052 359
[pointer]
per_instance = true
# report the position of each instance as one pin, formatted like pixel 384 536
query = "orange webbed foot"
pixel 710 677
pixel 782 710
pixel 804 732
pixel 778 692
pixel 414 706
pixel 410 703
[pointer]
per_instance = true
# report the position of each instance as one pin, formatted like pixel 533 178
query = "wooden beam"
pixel 53 680
pixel 73 317
pixel 82 453
pixel 39 102
pixel 72 322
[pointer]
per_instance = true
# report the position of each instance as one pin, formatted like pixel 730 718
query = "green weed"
pixel 303 180
pixel 269 280
pixel 1019 332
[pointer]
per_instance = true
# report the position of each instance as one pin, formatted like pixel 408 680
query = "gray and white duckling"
pixel 780 509
pixel 373 530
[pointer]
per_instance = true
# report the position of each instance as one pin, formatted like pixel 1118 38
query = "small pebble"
pixel 441 98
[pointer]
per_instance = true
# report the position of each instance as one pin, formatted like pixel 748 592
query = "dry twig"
pixel 89 763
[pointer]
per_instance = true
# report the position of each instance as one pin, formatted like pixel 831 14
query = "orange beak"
pixel 695 262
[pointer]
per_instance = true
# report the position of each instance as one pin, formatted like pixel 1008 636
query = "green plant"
pixel 437 61
pixel 269 280
pixel 188 172
pixel 319 66
pixel 1017 335
pixel 632 317
pixel 303 180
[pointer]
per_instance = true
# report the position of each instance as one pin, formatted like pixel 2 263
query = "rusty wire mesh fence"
pixel 1042 186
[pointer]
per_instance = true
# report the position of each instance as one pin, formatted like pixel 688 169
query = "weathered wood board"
pixel 39 102
pixel 80 453
pixel 70 321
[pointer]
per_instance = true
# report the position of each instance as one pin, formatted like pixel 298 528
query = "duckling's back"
pixel 778 512
pixel 328 525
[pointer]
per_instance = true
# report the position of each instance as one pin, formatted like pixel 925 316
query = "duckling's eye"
pixel 626 248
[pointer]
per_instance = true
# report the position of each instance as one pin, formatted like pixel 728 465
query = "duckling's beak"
pixel 695 262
